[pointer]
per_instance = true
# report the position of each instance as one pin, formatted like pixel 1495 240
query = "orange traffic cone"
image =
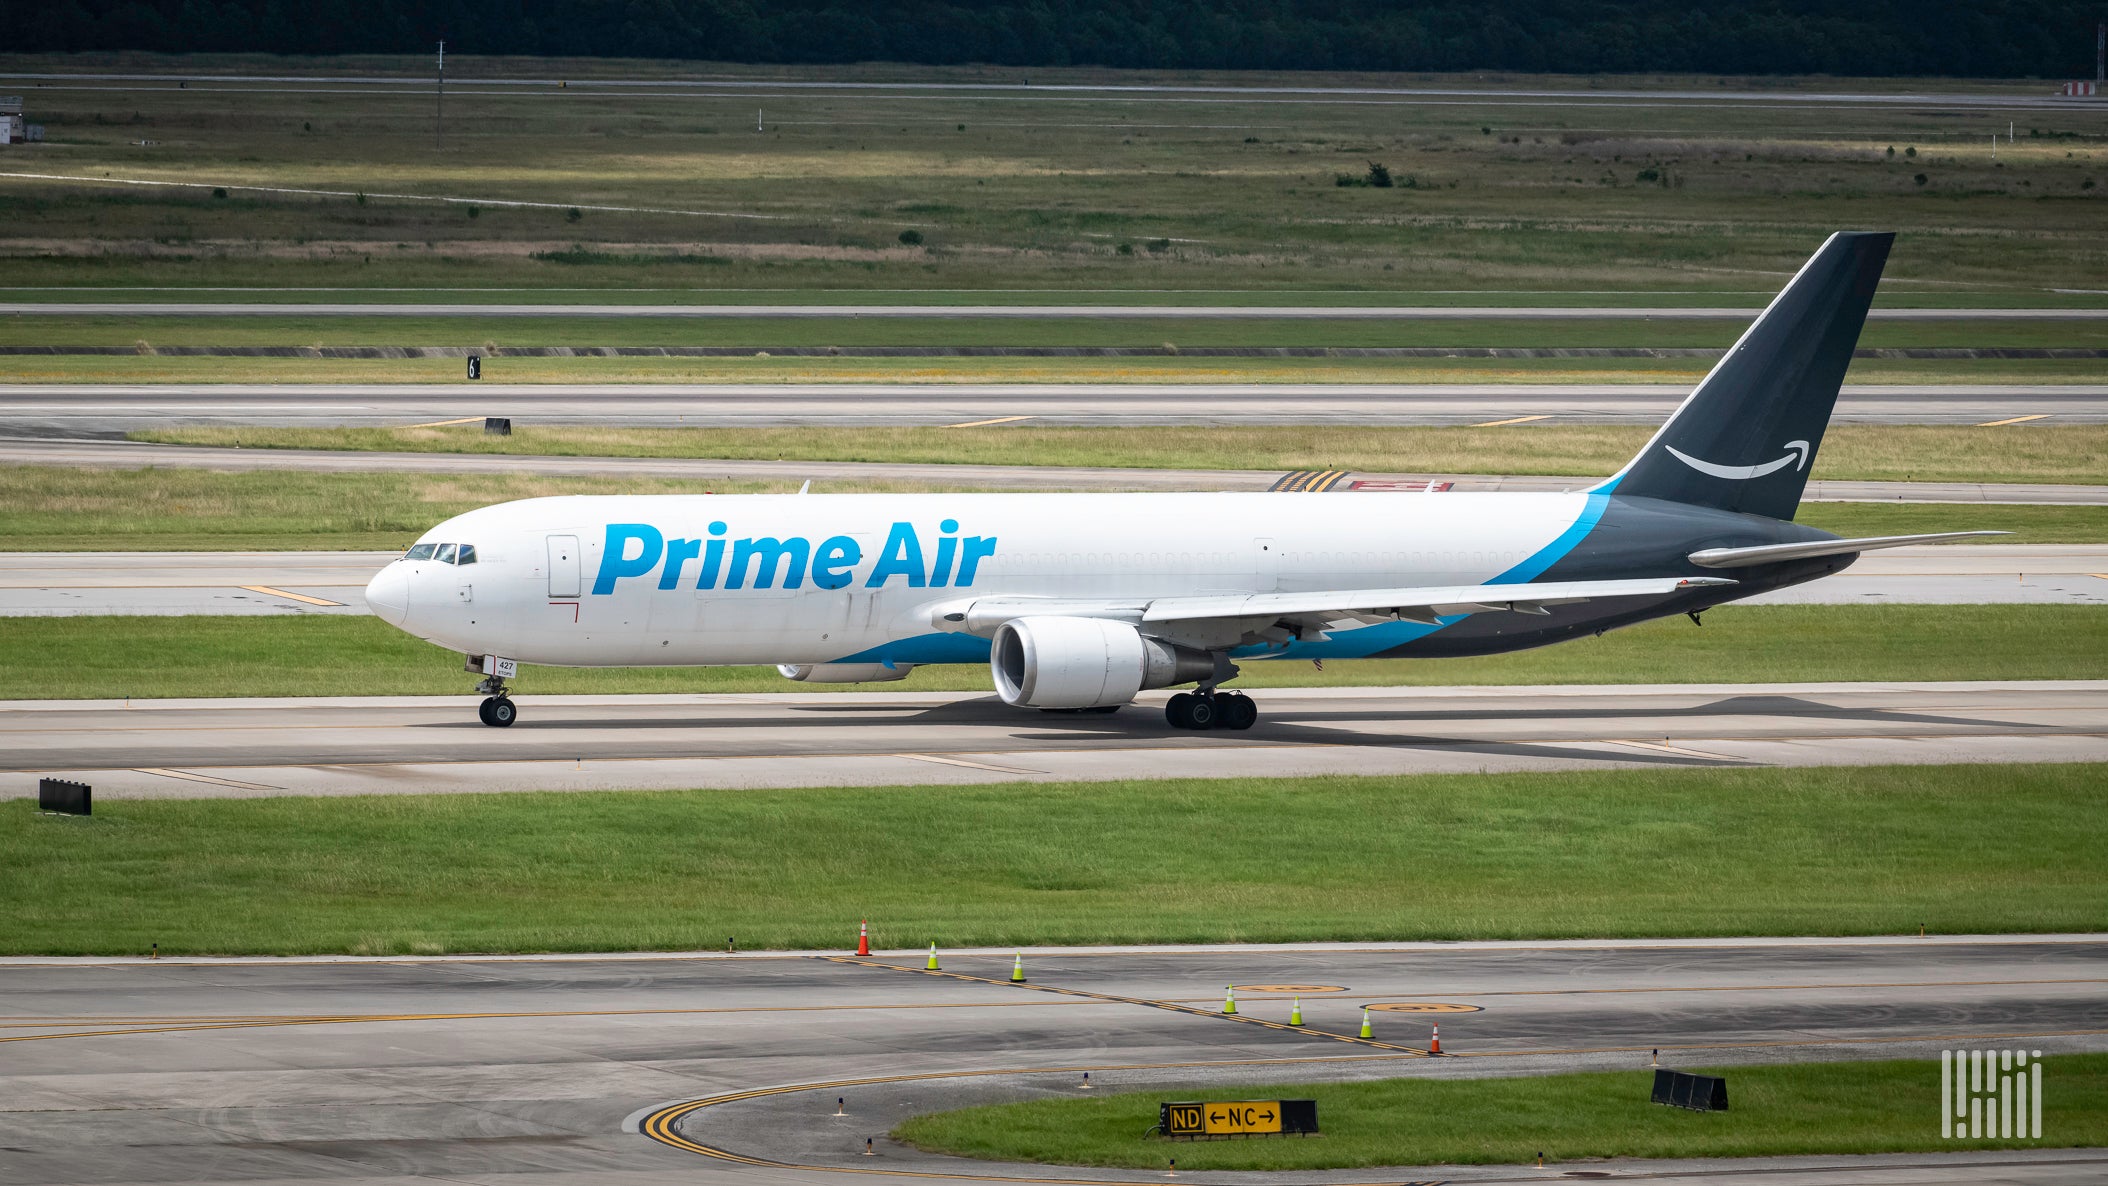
pixel 1434 1044
pixel 863 938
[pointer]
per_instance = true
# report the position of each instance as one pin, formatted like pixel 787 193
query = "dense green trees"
pixel 1978 38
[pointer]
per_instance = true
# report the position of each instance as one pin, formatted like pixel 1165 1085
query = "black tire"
pixel 483 709
pixel 502 712
pixel 1202 713
pixel 1175 710
pixel 1238 711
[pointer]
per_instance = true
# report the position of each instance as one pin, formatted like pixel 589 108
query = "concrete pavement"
pixel 81 409
pixel 544 1070
pixel 433 744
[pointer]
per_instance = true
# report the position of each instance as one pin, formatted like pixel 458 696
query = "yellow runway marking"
pixel 659 1126
pixel 945 761
pixel 2014 420
pixel 986 423
pixel 1144 1002
pixel 1517 420
pixel 290 596
pixel 443 423
pixel 187 776
pixel 158 1027
pixel 1666 748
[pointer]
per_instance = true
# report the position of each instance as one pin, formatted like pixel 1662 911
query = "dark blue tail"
pixel 1747 437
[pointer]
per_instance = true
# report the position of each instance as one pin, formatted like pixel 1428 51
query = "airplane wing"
pixel 1331 608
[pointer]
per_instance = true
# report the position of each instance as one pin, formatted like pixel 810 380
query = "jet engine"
pixel 844 673
pixel 1055 662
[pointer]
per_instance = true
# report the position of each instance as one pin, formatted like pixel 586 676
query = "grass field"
pixel 1022 190
pixel 1849 850
pixel 2067 454
pixel 305 655
pixel 45 508
pixel 1826 1108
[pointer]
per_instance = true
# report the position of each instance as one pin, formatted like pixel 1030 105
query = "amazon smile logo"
pixel 1796 456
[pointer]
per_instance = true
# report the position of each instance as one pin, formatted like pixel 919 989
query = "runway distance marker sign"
pixel 1237 1118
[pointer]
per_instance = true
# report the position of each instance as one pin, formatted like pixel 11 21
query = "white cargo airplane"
pixel 1079 601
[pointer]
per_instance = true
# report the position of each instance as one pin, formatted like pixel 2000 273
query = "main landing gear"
pixel 1211 710
pixel 497 709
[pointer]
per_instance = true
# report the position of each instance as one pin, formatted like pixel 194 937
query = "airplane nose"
pixel 388 594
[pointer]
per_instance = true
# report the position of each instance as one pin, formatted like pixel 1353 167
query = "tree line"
pixel 1961 38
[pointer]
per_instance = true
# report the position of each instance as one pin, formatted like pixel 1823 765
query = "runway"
pixel 544 1069
pixel 65 584
pixel 1029 312
pixel 76 409
pixel 433 744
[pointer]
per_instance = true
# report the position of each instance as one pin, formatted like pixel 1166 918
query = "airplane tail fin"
pixel 1747 437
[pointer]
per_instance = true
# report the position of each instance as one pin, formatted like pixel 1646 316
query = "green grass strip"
pixel 1836 851
pixel 1803 1108
pixel 1917 453
pixel 305 655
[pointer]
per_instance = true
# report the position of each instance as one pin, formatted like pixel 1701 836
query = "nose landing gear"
pixel 497 709
pixel 1211 710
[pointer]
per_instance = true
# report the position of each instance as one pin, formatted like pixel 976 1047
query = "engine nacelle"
pixel 1055 662
pixel 844 673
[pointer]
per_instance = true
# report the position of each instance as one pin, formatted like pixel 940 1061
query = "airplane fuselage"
pixel 822 579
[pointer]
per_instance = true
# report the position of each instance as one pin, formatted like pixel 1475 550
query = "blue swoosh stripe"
pixel 1371 640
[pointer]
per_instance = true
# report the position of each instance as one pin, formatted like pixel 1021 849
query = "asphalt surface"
pixel 728 1068
pixel 1033 312
pixel 433 744
pixel 77 409
pixel 60 584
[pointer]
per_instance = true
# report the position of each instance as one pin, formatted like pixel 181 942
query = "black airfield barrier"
pixel 1681 1089
pixel 57 794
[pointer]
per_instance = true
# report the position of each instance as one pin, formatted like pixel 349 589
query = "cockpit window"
pixel 420 552
pixel 467 554
pixel 445 554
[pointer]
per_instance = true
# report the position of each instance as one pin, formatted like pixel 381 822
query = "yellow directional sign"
pixel 1235 1118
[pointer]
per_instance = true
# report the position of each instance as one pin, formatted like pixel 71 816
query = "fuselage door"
pixel 563 566
pixel 1266 565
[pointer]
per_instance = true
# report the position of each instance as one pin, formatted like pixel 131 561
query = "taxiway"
pixel 434 744
pixel 78 409
pixel 649 1070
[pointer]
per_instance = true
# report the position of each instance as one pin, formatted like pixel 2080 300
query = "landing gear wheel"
pixel 1175 709
pixel 1192 710
pixel 498 712
pixel 1235 711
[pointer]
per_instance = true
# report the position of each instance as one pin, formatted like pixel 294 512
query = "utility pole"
pixel 439 109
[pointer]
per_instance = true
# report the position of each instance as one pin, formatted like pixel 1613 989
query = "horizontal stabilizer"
pixel 1775 553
